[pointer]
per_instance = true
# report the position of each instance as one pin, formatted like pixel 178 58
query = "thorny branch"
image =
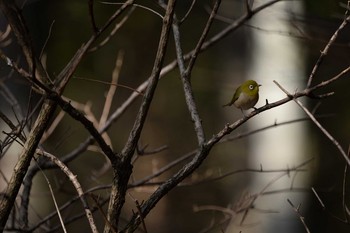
pixel 313 118
pixel 297 211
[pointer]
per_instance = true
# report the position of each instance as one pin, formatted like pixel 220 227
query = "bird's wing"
pixel 234 97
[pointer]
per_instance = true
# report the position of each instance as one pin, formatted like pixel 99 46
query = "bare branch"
pixel 72 65
pixel 76 184
pixel 112 89
pixel 7 200
pixel 246 170
pixel 312 117
pixel 46 41
pixel 139 6
pixel 139 212
pixel 327 82
pixel 297 211
pixel 324 52
pixel 188 12
pixel 74 113
pixel 122 173
pixel 318 197
pixel 114 30
pixel 18 25
pixel 153 81
pixel 202 38
pixel 185 73
pixel 55 203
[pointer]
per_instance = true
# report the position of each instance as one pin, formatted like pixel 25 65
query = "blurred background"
pixel 282 43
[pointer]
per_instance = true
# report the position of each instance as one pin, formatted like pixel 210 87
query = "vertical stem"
pixel 123 170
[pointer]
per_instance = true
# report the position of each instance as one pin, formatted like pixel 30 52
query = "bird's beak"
pixel 259 85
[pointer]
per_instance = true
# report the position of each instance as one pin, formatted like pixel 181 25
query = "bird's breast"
pixel 245 101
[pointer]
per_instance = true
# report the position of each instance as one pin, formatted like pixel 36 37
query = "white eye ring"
pixel 251 87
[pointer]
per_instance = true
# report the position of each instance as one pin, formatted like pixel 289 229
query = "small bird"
pixel 246 95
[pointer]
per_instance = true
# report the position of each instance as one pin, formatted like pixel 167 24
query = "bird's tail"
pixel 226 105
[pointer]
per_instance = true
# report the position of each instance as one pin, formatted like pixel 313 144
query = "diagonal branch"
pixel 301 217
pixel 72 65
pixel 76 184
pixel 318 124
pixel 324 52
pixel 203 36
pixel 75 114
pixel 152 84
pixel 8 197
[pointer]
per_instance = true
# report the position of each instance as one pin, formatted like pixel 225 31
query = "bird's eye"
pixel 251 87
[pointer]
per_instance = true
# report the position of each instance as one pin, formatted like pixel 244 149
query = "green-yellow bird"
pixel 246 95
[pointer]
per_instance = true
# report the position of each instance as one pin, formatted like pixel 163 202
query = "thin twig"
pixel 137 5
pixel 46 40
pixel 297 211
pixel 92 16
pixel 327 82
pixel 66 74
pixel 77 115
pixel 55 203
pixel 102 212
pixel 131 144
pixel 66 205
pixel 318 198
pixel 246 203
pixel 248 7
pixel 246 170
pixel 113 31
pixel 141 151
pixel 112 89
pixel 188 12
pixel 76 184
pixel 313 118
pixel 203 36
pixel 139 212
pixel 324 52
pixel 109 83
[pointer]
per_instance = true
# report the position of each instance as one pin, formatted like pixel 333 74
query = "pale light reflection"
pixel 276 57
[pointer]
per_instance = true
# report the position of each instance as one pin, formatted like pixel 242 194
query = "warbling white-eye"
pixel 246 95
